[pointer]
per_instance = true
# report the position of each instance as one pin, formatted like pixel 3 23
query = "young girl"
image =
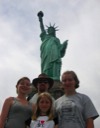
pixel 44 114
pixel 17 110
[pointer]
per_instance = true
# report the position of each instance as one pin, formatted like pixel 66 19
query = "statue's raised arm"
pixel 40 15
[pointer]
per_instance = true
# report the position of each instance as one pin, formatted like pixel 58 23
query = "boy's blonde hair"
pixel 50 112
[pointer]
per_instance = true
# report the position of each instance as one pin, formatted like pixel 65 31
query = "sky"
pixel 78 22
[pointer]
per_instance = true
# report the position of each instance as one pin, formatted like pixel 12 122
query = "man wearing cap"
pixel 43 83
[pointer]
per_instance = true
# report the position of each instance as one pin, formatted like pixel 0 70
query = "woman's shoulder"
pixel 9 99
pixel 82 95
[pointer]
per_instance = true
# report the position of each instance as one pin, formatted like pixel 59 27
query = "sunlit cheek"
pixel 19 86
pixel 28 90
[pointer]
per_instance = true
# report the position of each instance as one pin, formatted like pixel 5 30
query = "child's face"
pixel 44 104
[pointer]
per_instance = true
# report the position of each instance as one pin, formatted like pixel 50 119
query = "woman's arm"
pixel 89 123
pixel 5 110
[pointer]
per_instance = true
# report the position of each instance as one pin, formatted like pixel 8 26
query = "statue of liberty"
pixel 51 50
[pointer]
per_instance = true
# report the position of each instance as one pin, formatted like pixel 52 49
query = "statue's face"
pixel 51 30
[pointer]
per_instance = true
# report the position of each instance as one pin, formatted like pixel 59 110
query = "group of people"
pixel 72 110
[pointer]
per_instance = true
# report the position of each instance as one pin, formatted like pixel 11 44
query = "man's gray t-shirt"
pixel 34 98
pixel 73 111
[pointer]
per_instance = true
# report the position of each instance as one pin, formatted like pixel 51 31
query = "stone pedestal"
pixel 57 90
pixel 34 90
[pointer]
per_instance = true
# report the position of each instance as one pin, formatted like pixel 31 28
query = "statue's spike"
pixel 56 29
pixel 50 24
pixel 54 25
pixel 47 26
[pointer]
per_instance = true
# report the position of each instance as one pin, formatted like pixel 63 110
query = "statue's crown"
pixel 53 27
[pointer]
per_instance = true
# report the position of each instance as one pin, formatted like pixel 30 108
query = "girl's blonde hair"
pixel 50 112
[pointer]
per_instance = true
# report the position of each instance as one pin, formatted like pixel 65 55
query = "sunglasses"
pixel 45 82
